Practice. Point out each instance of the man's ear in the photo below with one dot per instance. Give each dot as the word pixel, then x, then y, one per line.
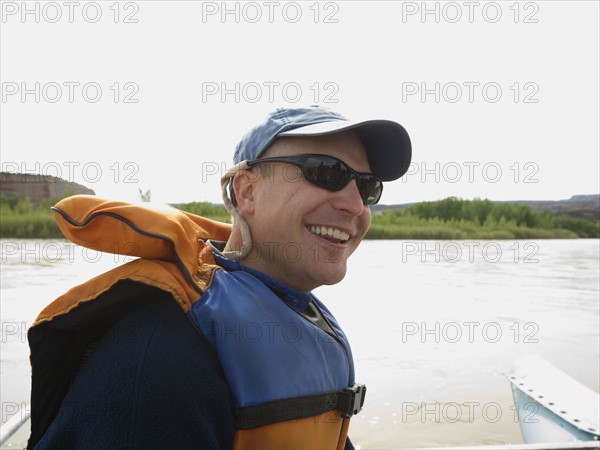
pixel 243 188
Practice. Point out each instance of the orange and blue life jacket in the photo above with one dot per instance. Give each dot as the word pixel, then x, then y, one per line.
pixel 286 360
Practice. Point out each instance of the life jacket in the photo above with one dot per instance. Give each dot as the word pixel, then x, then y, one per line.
pixel 292 379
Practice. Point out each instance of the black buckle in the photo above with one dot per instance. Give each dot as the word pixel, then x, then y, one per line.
pixel 352 400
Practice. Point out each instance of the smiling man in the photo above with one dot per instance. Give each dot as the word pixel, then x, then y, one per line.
pixel 300 193
pixel 309 210
pixel 256 361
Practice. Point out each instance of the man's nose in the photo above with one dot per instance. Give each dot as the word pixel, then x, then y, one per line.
pixel 349 199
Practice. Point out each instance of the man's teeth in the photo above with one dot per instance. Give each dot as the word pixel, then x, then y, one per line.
pixel 329 231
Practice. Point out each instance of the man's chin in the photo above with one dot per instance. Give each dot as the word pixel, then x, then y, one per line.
pixel 329 278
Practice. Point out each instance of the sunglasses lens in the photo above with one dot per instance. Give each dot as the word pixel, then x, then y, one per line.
pixel 370 189
pixel 332 174
pixel 327 173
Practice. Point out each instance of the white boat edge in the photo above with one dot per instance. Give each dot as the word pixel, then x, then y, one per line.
pixel 18 422
pixel 552 406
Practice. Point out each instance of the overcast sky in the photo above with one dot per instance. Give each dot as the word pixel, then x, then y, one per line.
pixel 500 98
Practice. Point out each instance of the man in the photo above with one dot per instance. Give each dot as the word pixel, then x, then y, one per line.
pixel 257 361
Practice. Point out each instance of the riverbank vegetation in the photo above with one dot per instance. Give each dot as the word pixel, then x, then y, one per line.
pixel 20 218
pixel 451 218
pixel 454 218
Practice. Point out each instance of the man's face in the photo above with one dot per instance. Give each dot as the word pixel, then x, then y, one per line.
pixel 303 234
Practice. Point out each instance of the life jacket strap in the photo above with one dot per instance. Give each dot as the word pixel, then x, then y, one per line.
pixel 349 402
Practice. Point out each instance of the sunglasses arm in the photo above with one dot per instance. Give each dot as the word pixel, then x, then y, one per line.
pixel 236 217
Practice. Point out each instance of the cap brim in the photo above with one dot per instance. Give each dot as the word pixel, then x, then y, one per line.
pixel 387 143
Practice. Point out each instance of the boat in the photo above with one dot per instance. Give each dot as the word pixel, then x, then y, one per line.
pixel 552 406
pixel 15 432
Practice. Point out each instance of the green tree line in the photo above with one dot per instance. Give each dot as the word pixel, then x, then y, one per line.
pixel 455 218
pixel 451 218
pixel 20 218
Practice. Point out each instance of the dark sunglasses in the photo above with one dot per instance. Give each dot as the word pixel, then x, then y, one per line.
pixel 332 174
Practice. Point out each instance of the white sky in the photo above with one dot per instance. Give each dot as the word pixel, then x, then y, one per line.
pixel 524 124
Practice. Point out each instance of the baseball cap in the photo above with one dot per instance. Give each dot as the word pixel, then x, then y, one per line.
pixel 387 143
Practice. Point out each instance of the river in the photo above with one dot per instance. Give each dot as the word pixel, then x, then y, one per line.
pixel 434 326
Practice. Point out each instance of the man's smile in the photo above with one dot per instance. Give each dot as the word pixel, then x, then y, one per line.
pixel 334 234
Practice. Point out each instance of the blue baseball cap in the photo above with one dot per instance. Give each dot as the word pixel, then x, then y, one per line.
pixel 387 143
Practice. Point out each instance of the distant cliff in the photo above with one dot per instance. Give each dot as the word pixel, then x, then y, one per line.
pixel 582 206
pixel 38 187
